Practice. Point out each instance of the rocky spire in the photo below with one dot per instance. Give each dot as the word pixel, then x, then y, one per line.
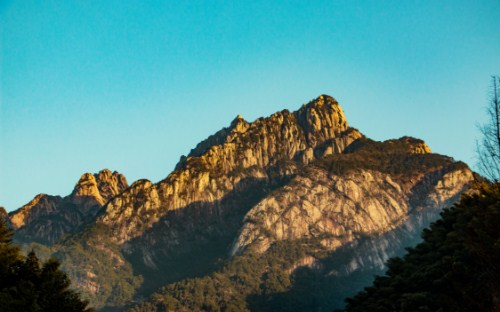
pixel 97 189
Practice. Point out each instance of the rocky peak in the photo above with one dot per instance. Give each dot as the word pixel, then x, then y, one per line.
pixel 403 145
pixel 97 189
pixel 238 125
pixel 242 151
pixel 41 202
pixel 110 184
pixel 225 135
pixel 86 191
pixel 416 146
pixel 321 119
pixel 47 218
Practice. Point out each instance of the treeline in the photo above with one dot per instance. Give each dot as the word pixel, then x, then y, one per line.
pixel 247 283
pixel 27 285
pixel 455 268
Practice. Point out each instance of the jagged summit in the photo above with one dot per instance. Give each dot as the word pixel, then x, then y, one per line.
pixel 46 218
pixel 316 129
pixel 97 189
pixel 319 120
pixel 238 125
pixel 322 100
pixel 238 118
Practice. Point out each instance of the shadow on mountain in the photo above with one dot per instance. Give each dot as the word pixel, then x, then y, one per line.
pixel 194 240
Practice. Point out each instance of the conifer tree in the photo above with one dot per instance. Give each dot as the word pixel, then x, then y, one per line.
pixel 26 286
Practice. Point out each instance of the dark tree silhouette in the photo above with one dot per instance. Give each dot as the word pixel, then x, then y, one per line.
pixel 27 286
pixel 488 149
pixel 456 268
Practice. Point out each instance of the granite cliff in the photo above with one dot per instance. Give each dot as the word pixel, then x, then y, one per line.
pixel 291 194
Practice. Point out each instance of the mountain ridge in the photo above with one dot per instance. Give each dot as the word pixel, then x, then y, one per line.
pixel 47 218
pixel 280 137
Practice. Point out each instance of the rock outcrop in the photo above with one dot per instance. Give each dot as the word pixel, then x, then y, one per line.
pixel 42 204
pixel 3 215
pixel 47 218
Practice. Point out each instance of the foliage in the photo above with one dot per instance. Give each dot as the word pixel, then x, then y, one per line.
pixel 488 149
pixel 25 285
pixel 392 157
pixel 455 268
pixel 250 274
pixel 93 258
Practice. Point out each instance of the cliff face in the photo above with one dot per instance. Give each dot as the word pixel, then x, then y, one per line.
pixel 337 209
pixel 47 218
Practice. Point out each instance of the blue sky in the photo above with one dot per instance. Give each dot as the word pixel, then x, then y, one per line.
pixel 133 85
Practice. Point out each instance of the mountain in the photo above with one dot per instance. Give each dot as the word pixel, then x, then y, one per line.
pixel 48 218
pixel 295 211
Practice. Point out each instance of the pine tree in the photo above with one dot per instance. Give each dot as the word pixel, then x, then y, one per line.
pixel 25 286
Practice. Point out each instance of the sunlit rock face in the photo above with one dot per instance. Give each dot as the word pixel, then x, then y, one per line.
pixel 47 218
pixel 337 210
pixel 42 204
pixel 242 152
pixel 97 189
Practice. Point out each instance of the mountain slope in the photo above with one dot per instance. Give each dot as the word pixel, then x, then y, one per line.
pixel 455 268
pixel 364 193
pixel 47 218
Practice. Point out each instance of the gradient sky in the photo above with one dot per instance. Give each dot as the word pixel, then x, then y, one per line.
pixel 133 85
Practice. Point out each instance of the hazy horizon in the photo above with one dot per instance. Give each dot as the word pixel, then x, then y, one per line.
pixel 133 86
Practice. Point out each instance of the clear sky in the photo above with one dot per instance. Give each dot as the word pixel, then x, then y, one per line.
pixel 133 85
